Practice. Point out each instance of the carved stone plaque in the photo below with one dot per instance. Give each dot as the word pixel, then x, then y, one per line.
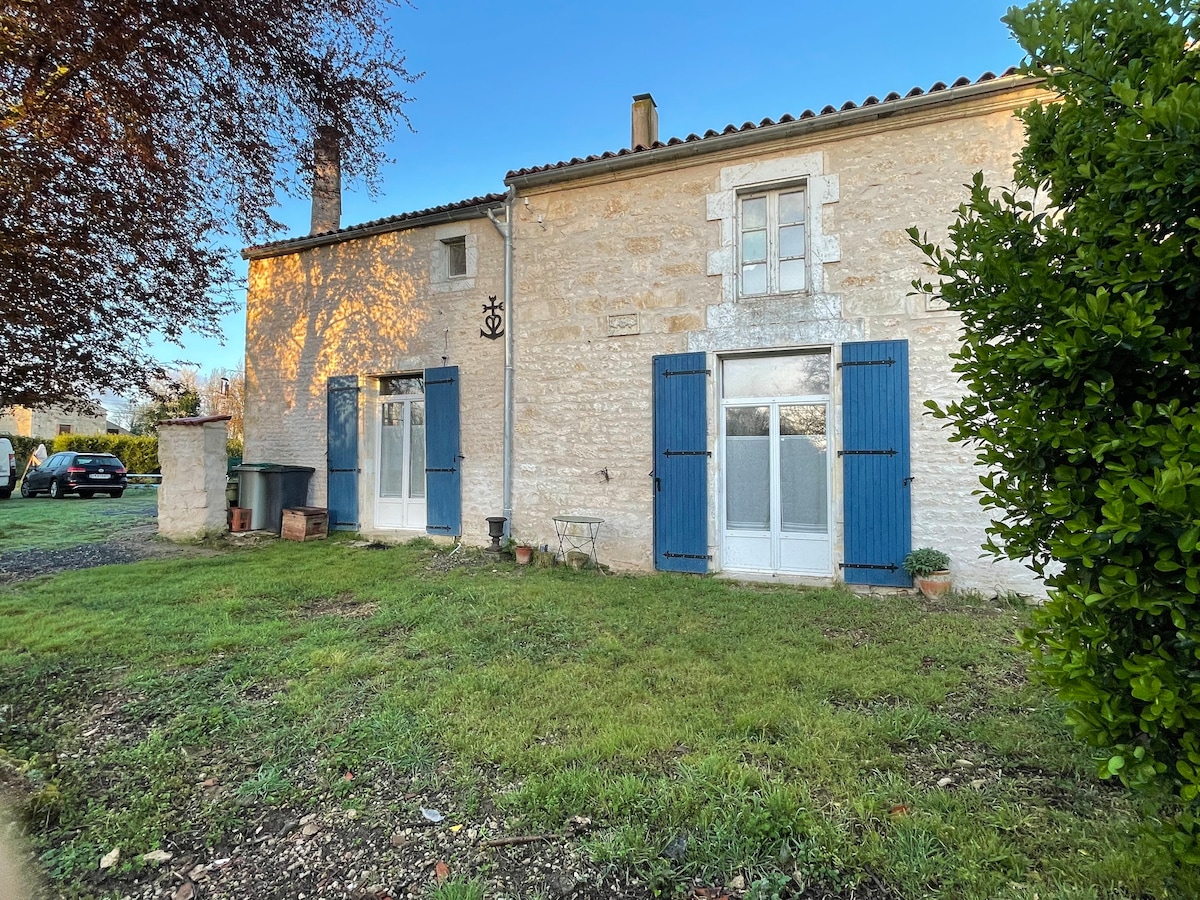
pixel 624 323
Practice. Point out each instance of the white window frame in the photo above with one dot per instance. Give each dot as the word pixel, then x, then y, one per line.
pixel 451 244
pixel 775 532
pixel 724 260
pixel 773 240
pixel 403 512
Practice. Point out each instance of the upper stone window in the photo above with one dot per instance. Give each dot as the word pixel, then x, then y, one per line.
pixel 453 258
pixel 772 241
pixel 456 257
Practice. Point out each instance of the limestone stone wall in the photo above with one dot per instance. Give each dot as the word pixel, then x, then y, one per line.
pixel 48 422
pixel 617 268
pixel 610 271
pixel 191 498
pixel 372 307
pixel 16 420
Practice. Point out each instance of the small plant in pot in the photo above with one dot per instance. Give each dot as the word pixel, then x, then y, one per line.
pixel 522 551
pixel 930 569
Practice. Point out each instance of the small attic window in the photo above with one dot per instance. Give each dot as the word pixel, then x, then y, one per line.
pixel 456 257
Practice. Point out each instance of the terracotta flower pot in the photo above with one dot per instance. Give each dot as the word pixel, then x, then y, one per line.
pixel 935 584
pixel 523 554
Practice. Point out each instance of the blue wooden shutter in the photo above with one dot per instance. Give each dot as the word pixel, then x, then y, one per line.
pixel 680 463
pixel 443 459
pixel 341 451
pixel 875 462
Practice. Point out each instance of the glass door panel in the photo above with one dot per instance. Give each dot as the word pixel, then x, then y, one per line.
pixel 803 469
pixel 391 450
pixel 416 469
pixel 748 468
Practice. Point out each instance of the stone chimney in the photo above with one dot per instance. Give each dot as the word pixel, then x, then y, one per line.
pixel 327 181
pixel 645 122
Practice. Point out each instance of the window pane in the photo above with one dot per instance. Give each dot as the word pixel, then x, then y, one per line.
pixel 791 275
pixel 748 421
pixel 754 246
pixel 416 469
pixel 807 420
pixel 391 451
pixel 456 257
pixel 754 213
pixel 791 207
pixel 748 468
pixel 400 385
pixel 804 469
pixel 754 279
pixel 793 375
pixel 791 242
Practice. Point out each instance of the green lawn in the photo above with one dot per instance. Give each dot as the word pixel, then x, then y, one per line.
pixel 780 730
pixel 54 524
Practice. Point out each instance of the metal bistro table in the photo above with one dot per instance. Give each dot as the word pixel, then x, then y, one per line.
pixel 578 533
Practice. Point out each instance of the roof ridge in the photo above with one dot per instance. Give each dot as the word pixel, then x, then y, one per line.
pixel 398 219
pixel 829 109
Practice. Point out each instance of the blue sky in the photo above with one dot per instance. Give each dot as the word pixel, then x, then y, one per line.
pixel 523 83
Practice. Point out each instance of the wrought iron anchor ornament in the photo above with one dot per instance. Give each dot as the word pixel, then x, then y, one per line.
pixel 493 320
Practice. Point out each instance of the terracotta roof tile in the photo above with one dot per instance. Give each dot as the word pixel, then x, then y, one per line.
pixel 491 199
pixel 892 97
pixel 400 219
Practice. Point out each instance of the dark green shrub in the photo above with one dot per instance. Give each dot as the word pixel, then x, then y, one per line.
pixel 1081 314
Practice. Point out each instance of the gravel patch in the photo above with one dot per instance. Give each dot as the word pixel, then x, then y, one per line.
pixel 141 542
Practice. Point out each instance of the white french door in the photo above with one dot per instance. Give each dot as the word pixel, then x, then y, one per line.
pixel 776 467
pixel 400 494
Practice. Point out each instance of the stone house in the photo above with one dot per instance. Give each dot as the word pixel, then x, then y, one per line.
pixel 710 343
pixel 55 420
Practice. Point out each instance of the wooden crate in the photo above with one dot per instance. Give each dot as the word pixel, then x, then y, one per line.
pixel 305 523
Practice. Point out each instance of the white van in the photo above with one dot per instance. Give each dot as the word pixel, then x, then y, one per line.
pixel 8 468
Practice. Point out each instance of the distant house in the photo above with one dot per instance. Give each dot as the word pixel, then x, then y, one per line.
pixel 52 421
pixel 711 343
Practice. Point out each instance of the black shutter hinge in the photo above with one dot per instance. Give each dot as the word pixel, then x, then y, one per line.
pixel 427 471
pixel 687 453
pixel 687 556
pixel 868 362
pixel 889 568
pixel 688 372
pixel 867 452
pixel 440 381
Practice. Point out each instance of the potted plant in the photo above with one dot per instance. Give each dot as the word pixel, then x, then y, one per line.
pixel 522 551
pixel 930 569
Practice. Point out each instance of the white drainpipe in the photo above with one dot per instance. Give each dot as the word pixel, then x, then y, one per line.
pixel 506 228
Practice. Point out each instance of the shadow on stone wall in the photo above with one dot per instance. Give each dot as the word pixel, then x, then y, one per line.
pixel 343 309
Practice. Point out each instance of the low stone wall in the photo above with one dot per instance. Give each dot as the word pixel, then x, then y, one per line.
pixel 191 500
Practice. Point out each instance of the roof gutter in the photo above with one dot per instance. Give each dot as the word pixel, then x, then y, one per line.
pixel 361 231
pixel 780 131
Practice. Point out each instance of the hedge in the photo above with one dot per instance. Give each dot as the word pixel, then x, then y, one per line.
pixel 140 454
